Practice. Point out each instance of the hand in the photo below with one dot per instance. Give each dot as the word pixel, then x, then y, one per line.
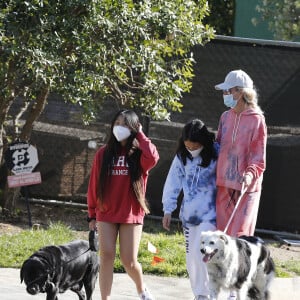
pixel 92 225
pixel 247 179
pixel 135 145
pixel 140 127
pixel 166 221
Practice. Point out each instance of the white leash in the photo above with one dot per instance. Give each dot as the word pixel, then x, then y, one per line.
pixel 243 190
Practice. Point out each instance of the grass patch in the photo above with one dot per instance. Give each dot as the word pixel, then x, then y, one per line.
pixel 170 245
pixel 16 248
pixel 285 269
pixel 171 249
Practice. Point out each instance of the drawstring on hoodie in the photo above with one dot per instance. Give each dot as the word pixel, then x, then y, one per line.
pixel 235 128
pixel 197 171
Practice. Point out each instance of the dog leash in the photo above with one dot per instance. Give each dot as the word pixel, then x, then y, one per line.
pixel 243 190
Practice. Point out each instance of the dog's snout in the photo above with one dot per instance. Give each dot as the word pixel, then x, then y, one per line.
pixel 33 289
pixel 202 250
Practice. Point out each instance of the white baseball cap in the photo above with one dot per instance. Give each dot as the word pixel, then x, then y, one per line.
pixel 235 78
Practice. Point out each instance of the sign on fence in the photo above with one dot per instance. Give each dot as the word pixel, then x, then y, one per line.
pixel 24 179
pixel 21 157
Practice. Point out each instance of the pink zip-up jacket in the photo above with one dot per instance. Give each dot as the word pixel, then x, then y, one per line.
pixel 242 138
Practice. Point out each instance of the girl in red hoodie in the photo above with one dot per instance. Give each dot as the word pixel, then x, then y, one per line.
pixel 116 198
pixel 242 136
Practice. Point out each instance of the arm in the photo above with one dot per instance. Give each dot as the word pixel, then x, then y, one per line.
pixel 150 156
pixel 257 157
pixel 219 132
pixel 92 198
pixel 166 221
pixel 172 188
pixel 218 137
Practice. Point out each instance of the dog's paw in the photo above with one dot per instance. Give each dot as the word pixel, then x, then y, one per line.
pixel 50 287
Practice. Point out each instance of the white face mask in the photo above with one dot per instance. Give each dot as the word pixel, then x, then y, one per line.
pixel 196 152
pixel 121 133
pixel 229 101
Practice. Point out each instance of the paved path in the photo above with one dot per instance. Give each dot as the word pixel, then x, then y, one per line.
pixel 163 288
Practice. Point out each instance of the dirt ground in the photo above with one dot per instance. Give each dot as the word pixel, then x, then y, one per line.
pixel 75 218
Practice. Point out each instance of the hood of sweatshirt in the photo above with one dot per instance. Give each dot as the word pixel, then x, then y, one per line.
pixel 249 111
pixel 243 115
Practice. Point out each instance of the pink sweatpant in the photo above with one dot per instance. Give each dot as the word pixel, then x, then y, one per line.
pixel 245 217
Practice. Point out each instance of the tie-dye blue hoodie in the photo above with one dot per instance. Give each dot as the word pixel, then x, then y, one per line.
pixel 199 189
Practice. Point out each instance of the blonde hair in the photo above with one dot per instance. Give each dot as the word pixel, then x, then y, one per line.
pixel 251 98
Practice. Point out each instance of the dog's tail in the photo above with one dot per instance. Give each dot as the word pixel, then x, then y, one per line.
pixel 22 271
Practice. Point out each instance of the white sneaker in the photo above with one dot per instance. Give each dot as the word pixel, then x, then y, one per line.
pixel 232 296
pixel 146 295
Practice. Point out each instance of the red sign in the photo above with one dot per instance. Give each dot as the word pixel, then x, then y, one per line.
pixel 24 179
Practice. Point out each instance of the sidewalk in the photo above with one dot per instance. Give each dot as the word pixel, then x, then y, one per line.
pixel 163 288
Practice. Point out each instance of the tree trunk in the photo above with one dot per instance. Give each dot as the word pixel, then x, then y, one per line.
pixel 34 114
pixel 4 108
pixel 11 195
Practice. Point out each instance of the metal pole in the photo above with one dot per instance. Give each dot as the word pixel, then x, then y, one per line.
pixel 28 206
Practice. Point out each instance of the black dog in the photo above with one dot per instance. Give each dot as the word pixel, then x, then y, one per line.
pixel 55 269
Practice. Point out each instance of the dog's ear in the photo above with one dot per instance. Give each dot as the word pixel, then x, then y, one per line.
pixel 224 238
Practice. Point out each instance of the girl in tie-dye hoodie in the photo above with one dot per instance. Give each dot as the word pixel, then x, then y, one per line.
pixel 193 171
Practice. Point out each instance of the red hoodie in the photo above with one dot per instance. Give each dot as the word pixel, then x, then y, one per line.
pixel 242 140
pixel 120 203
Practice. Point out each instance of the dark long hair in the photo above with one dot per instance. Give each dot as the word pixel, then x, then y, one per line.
pixel 195 131
pixel 112 150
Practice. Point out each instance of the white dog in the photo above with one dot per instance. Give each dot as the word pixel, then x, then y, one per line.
pixel 240 264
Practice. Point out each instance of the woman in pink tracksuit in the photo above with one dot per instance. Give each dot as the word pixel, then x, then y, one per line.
pixel 242 136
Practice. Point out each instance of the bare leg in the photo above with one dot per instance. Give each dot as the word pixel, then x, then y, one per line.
pixel 130 237
pixel 107 242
